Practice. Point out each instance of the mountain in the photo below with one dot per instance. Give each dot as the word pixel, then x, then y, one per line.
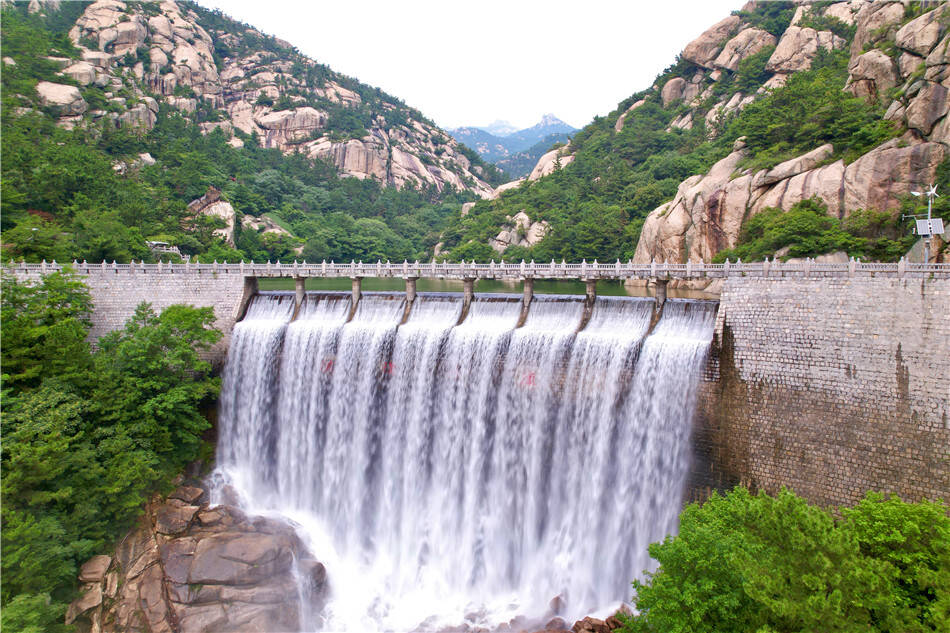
pixel 500 128
pixel 521 163
pixel 152 105
pixel 500 141
pixel 786 129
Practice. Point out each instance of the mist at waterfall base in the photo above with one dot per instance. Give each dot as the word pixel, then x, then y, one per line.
pixel 459 475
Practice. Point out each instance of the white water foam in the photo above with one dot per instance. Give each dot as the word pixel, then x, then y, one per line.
pixel 462 475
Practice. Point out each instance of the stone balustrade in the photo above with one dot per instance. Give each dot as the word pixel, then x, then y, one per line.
pixel 583 271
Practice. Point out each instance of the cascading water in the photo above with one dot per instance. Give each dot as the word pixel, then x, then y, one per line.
pixel 463 474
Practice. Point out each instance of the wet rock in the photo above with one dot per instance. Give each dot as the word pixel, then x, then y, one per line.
pixel 590 625
pixel 173 518
pixel 224 571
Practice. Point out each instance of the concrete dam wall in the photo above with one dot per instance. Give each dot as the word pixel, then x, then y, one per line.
pixel 830 385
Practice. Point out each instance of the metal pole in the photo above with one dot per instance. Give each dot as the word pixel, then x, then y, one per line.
pixel 930 200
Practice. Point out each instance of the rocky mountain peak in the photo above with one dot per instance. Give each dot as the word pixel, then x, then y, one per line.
pixel 228 76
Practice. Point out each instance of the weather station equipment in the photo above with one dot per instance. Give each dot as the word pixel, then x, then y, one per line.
pixel 929 226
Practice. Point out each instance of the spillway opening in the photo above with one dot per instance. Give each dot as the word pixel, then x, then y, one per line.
pixel 462 474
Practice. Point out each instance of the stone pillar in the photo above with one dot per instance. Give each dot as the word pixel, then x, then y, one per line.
pixel 528 291
pixel 589 299
pixel 410 298
pixel 357 292
pixel 299 293
pixel 526 300
pixel 659 293
pixel 250 289
pixel 468 291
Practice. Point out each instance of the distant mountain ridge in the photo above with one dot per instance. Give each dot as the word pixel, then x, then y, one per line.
pixel 500 140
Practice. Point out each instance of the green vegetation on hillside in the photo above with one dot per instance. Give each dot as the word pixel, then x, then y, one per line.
pixel 763 564
pixel 596 205
pixel 807 230
pixel 87 434
pixel 84 194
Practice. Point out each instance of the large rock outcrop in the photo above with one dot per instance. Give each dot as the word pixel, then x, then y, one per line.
pixel 909 59
pixel 63 100
pixel 519 231
pixel 211 205
pixel 283 97
pixel 798 47
pixel 551 162
pixel 707 214
pixel 704 49
pixel 747 42
pixel 189 567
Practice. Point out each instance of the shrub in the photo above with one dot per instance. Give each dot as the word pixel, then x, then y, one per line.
pixel 758 563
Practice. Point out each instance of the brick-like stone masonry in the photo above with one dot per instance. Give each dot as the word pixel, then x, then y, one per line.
pixel 116 294
pixel 831 387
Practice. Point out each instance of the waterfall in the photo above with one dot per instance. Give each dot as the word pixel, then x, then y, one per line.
pixel 462 473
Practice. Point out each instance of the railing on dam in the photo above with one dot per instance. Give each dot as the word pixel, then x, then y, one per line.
pixel 501 270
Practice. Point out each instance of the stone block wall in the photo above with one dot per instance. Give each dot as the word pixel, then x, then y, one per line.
pixel 831 387
pixel 116 293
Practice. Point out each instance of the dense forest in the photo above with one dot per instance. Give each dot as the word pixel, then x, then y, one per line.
pixel 86 194
pixel 88 433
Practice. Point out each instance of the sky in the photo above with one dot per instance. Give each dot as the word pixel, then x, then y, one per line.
pixel 473 62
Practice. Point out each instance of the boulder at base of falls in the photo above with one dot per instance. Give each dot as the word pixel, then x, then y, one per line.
pixel 190 567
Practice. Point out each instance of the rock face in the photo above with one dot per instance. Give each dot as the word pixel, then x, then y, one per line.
pixel 212 205
pixel 747 42
pixel 707 213
pixel 551 162
pixel 520 232
pixel 286 99
pixel 192 568
pixel 872 75
pixel 704 49
pixel 63 100
pixel 798 47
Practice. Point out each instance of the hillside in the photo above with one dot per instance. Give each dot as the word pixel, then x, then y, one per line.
pixel 116 115
pixel 780 103
pixel 515 151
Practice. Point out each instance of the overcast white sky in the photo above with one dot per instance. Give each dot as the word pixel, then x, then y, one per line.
pixel 472 62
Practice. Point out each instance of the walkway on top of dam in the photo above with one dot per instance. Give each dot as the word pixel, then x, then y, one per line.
pixel 583 271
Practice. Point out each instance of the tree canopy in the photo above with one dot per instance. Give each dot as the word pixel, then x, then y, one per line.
pixel 87 433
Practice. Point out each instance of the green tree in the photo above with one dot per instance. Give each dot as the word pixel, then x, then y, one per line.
pixel 758 563
pixel 153 381
pixel 44 326
pixel 87 435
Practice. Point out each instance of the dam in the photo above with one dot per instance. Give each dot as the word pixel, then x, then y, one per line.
pixel 468 471
pixel 831 380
